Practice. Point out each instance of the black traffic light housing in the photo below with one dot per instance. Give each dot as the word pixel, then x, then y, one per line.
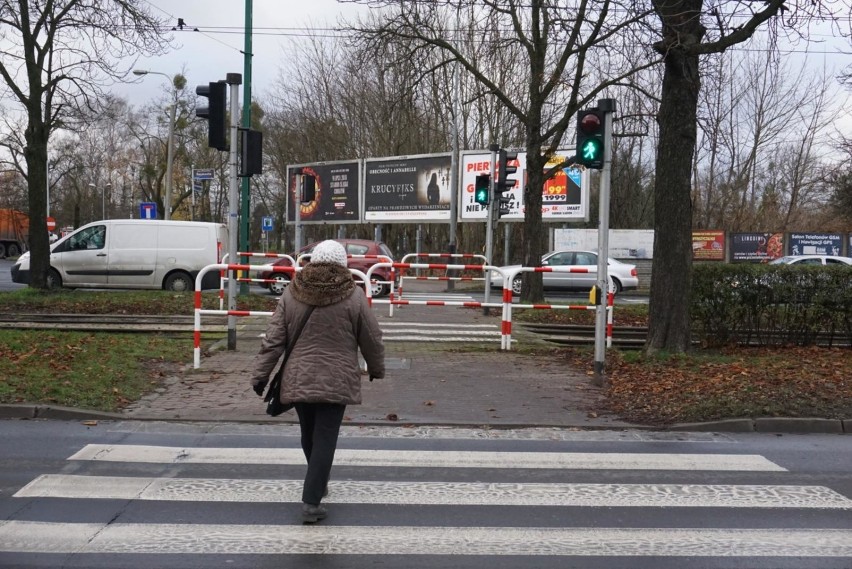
pixel 251 152
pixel 504 183
pixel 216 113
pixel 482 190
pixel 590 138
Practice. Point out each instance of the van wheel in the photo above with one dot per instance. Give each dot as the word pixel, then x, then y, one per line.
pixel 178 282
pixel 53 280
pixel 12 250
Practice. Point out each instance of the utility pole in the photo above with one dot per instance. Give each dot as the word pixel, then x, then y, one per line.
pixel 245 190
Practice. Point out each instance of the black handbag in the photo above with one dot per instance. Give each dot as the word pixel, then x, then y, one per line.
pixel 274 406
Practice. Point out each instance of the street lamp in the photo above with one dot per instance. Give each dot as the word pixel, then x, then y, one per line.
pixel 103 198
pixel 167 200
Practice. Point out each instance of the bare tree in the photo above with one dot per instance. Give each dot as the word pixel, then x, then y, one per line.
pixel 58 57
pixel 690 29
pixel 555 61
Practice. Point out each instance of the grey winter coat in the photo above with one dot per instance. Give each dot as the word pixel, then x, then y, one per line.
pixel 323 367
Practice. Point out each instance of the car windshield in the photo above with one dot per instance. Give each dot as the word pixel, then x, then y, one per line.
pixel 781 261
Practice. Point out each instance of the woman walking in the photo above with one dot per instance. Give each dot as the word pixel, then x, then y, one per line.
pixel 321 375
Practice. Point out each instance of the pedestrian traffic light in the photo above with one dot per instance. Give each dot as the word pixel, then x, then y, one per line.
pixel 251 152
pixel 506 165
pixel 590 139
pixel 481 190
pixel 308 191
pixel 215 112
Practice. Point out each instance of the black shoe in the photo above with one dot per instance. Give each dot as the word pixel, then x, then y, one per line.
pixel 312 514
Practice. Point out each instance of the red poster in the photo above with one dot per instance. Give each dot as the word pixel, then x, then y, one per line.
pixel 708 245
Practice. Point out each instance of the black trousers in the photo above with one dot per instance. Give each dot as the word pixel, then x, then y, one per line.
pixel 320 425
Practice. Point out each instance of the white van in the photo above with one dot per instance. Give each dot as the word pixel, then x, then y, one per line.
pixel 133 253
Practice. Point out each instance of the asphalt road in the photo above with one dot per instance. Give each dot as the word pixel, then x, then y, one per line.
pixel 6 283
pixel 149 494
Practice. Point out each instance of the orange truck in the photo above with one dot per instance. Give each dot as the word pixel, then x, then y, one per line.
pixel 14 232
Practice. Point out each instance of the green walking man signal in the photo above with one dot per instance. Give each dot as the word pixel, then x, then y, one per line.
pixel 590 138
pixel 482 190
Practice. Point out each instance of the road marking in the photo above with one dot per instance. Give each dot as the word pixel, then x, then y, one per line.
pixel 435 459
pixel 237 539
pixel 437 493
pixel 384 323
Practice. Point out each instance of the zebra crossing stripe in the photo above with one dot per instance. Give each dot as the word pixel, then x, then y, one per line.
pixel 437 493
pixel 237 539
pixel 432 459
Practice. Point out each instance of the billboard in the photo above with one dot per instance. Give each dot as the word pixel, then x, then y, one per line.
pixel 760 247
pixel 337 196
pixel 814 244
pixel 623 243
pixel 407 188
pixel 708 245
pixel 565 196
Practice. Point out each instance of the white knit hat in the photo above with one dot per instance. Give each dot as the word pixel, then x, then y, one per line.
pixel 329 251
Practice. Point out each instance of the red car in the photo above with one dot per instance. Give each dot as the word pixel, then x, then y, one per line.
pixel 353 247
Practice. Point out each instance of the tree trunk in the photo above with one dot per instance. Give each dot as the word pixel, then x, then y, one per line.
pixel 669 317
pixel 534 231
pixel 35 154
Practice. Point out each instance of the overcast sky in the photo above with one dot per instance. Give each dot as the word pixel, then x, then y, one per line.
pixel 216 48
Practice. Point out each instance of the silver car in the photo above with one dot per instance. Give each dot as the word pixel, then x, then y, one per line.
pixel 812 260
pixel 624 275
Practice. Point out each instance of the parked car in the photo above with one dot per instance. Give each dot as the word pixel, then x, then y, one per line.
pixel 624 275
pixel 812 260
pixel 353 247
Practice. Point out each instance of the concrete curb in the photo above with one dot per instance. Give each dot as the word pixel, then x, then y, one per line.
pixel 56 412
pixel 788 425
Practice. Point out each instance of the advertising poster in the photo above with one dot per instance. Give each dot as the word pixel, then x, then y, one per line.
pixel 623 243
pixel 708 245
pixel 565 196
pixel 336 197
pixel 756 247
pixel 814 244
pixel 413 188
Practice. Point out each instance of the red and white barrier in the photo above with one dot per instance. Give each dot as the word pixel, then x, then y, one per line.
pixel 507 275
pixel 405 260
pixel 237 267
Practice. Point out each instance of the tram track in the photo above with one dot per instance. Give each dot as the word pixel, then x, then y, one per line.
pixel 633 337
pixel 111 323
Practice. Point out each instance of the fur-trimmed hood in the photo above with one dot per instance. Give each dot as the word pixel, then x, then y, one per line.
pixel 321 284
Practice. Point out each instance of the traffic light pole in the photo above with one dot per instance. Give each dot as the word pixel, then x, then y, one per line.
pixel 234 80
pixel 607 107
pixel 489 221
